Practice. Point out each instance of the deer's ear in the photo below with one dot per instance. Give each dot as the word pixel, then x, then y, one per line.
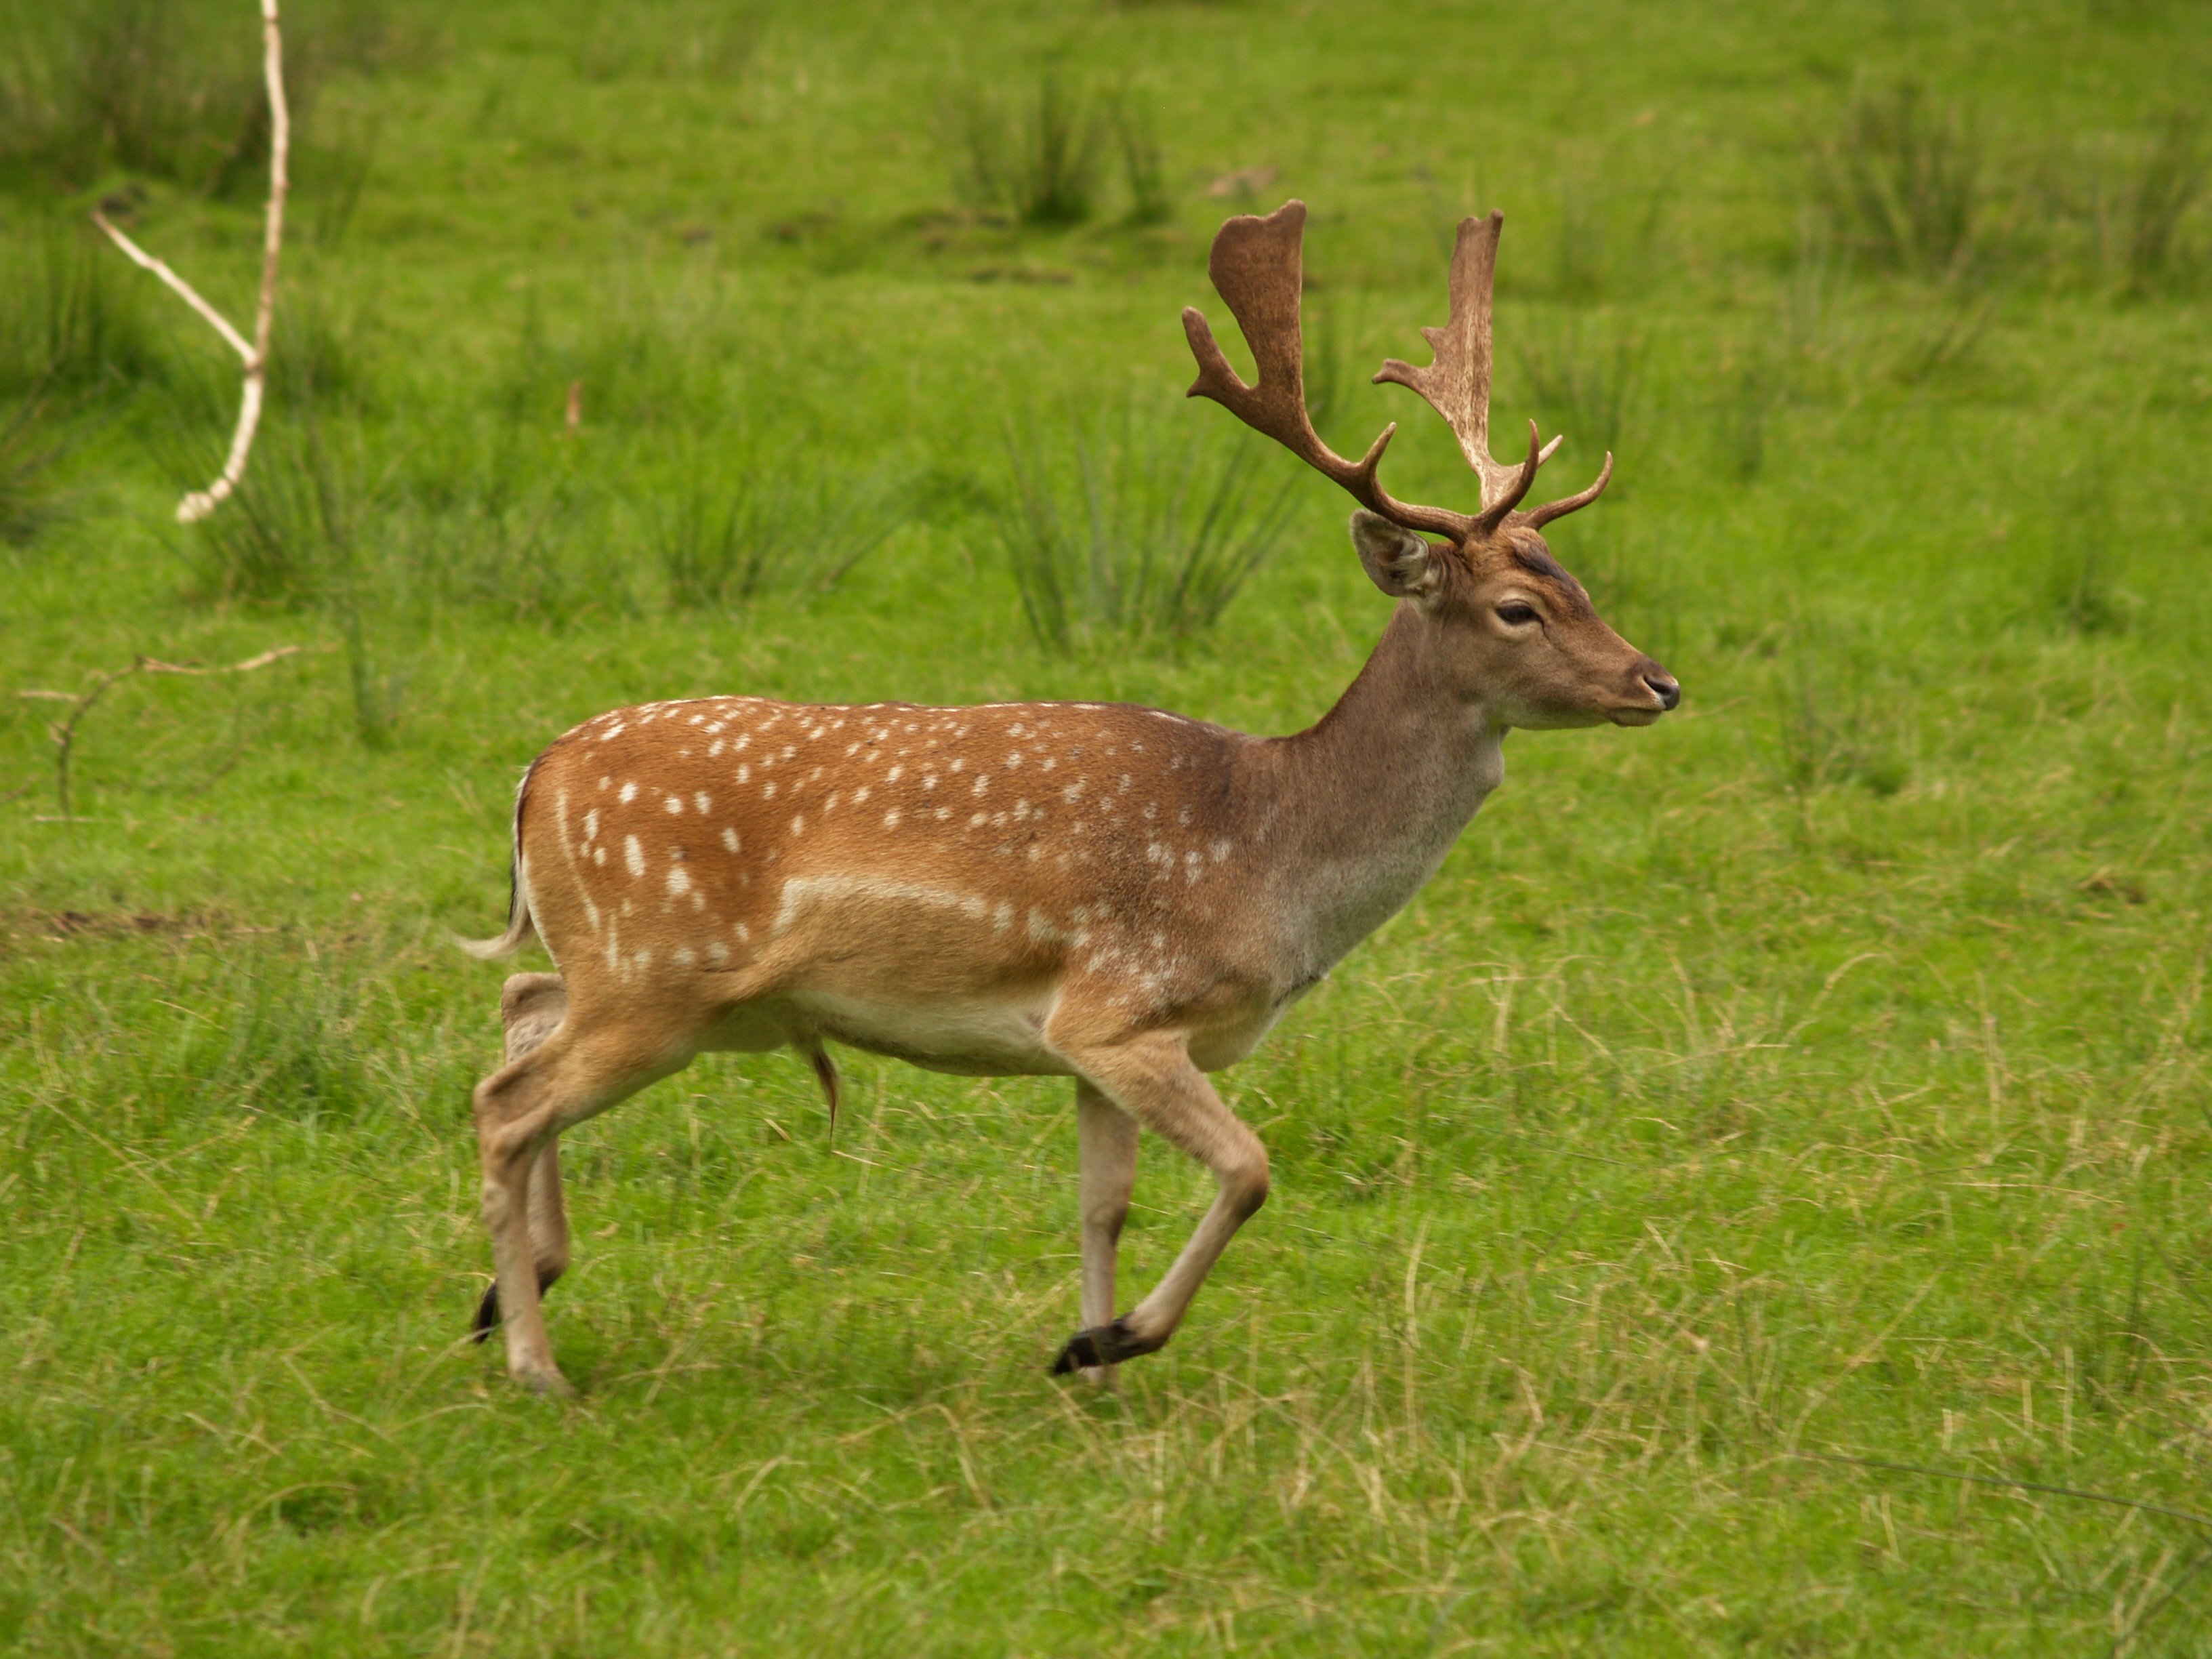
pixel 1402 564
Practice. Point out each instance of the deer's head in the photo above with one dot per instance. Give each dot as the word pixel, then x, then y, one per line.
pixel 1513 628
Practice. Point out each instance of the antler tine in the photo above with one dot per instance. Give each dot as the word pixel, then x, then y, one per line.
pixel 1256 265
pixel 1543 515
pixel 1517 480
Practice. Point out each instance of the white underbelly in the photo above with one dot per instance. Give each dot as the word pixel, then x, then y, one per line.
pixel 979 1036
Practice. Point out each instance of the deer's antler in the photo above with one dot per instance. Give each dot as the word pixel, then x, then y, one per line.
pixel 1256 265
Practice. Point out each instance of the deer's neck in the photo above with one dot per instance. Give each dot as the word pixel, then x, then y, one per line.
pixel 1371 798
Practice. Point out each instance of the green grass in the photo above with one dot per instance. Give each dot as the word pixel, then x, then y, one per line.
pixel 1819 1074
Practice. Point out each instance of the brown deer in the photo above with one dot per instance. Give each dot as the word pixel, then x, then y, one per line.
pixel 1115 894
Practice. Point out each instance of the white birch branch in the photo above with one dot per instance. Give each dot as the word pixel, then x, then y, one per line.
pixel 200 502
pixel 190 295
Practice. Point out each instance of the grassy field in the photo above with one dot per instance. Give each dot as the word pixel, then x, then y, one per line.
pixel 1754 1202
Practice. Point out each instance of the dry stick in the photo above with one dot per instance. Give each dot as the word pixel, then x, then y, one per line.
pixel 64 731
pixel 200 502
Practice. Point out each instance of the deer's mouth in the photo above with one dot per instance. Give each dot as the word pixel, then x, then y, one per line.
pixel 1661 687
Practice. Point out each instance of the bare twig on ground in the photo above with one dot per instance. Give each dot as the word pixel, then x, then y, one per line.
pixel 63 731
pixel 200 502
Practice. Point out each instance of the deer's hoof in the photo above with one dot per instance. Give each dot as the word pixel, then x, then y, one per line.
pixel 1102 1345
pixel 546 1382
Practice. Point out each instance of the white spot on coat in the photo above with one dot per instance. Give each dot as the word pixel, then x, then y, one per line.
pixel 634 855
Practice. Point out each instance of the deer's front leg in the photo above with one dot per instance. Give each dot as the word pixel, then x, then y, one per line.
pixel 1152 1077
pixel 1106 1147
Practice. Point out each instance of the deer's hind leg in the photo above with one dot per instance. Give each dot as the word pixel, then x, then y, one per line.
pixel 532 1007
pixel 582 1067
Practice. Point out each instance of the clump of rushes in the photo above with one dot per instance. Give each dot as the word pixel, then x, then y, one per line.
pixel 724 538
pixel 1134 527
pixel 167 89
pixel 1902 180
pixel 30 448
pixel 2160 190
pixel 1038 163
pixel 1586 388
pixel 1142 167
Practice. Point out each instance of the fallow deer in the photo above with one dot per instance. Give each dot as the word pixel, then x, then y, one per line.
pixel 1114 894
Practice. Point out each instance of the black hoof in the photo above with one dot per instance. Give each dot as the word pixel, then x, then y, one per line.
pixel 1102 1345
pixel 488 1311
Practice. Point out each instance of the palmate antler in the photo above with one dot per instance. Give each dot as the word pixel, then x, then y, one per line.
pixel 1256 266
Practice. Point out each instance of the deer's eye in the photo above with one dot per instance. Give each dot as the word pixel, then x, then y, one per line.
pixel 1514 614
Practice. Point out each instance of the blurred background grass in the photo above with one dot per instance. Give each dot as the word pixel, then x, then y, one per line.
pixel 1820 1072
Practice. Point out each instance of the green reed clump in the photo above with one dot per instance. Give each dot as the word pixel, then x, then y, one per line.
pixel 1135 525
pixel 1903 179
pixel 31 447
pixel 1588 387
pixel 1043 161
pixel 1136 135
pixel 2122 207
pixel 724 535
pixel 2166 183
pixel 287 531
pixel 1833 717
pixel 168 89
pixel 1039 160
pixel 74 317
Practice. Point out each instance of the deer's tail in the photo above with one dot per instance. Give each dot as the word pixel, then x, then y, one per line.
pixel 520 926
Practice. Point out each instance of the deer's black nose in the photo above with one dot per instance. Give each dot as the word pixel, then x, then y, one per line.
pixel 1663 685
